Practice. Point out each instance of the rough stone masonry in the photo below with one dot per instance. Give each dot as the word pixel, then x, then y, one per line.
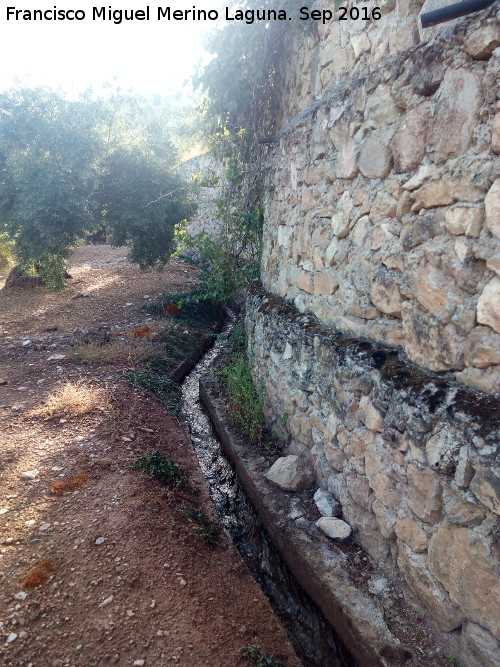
pixel 377 328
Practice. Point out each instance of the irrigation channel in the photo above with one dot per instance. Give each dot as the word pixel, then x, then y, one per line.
pixel 313 638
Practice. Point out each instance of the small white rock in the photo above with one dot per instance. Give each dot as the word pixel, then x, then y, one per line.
pixel 30 474
pixel 20 596
pixel 56 357
pixel 44 526
pixel 336 529
pixel 12 637
pixel 326 504
pixel 107 601
pixel 100 540
pixel 139 663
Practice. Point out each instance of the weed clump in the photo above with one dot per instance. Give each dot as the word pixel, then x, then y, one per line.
pixel 165 470
pixel 260 658
pixel 72 399
pixel 208 530
pixel 193 308
pixel 165 389
pixel 38 574
pixel 113 353
pixel 245 400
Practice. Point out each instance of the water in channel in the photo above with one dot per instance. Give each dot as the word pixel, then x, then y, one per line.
pixel 314 640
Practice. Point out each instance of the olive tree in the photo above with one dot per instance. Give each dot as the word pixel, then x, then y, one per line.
pixel 70 167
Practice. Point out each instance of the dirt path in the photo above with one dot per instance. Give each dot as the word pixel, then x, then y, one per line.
pixel 128 579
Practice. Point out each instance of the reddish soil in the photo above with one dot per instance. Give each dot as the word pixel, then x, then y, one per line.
pixel 122 575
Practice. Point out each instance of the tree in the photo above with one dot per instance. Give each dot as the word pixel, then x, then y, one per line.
pixel 141 202
pixel 47 147
pixel 244 77
pixel 68 168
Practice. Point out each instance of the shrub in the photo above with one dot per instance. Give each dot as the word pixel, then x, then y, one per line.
pixel 6 256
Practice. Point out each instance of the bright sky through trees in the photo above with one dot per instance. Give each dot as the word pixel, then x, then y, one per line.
pixel 149 56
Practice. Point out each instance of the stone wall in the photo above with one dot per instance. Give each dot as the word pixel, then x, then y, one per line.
pixel 377 333
pixel 409 456
pixel 331 52
pixel 384 205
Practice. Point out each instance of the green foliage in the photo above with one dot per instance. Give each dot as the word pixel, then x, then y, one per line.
pixel 165 470
pixel 165 389
pixel 451 658
pixel 230 259
pixel 242 81
pixel 242 85
pixel 208 530
pixel 260 658
pixel 245 401
pixel 6 255
pixel 46 152
pixel 196 309
pixel 50 267
pixel 199 318
pixel 179 119
pixel 238 338
pixel 140 199
pixel 69 168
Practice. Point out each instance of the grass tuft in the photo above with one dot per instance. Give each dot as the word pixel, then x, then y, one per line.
pixel 117 351
pixel 245 401
pixel 71 399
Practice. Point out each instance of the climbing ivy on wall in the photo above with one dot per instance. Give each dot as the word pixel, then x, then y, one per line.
pixel 241 84
pixel 242 80
pixel 230 259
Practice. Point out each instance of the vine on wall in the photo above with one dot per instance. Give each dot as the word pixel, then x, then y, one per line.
pixel 242 85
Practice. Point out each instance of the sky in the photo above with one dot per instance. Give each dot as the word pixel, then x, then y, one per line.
pixel 148 56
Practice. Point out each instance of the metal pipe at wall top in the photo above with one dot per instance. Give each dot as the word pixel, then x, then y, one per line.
pixel 450 12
